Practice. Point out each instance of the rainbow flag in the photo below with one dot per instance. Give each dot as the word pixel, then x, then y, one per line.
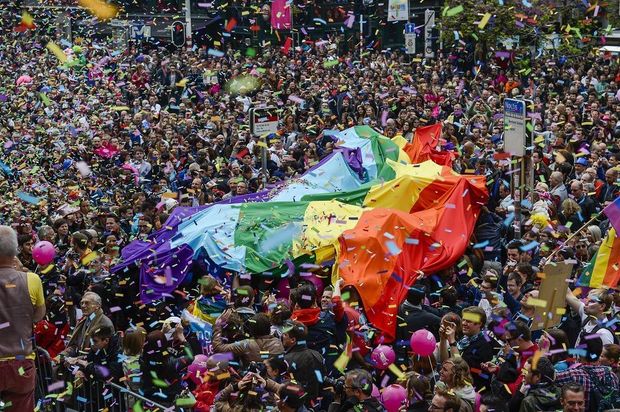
pixel 381 219
pixel 604 268
pixel 612 211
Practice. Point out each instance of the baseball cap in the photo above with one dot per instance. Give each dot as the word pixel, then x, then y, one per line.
pixel 582 161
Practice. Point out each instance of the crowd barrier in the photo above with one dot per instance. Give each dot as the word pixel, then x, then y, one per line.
pixel 53 395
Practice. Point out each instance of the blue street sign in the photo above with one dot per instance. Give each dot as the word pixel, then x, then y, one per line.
pixel 409 28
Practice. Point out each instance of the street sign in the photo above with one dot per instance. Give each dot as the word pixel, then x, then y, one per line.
pixel 409 28
pixel 410 43
pixel 514 127
pixel 140 31
pixel 119 23
pixel 263 121
pixel 429 23
pixel 398 10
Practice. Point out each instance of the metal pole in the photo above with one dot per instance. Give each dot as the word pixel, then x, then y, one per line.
pixel 514 181
pixel 188 24
pixel 264 161
pixel 361 36
pixel 292 6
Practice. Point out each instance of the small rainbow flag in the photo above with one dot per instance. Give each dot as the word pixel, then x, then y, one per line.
pixel 604 268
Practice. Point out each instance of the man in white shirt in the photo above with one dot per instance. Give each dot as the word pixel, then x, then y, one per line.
pixel 506 205
pixel 593 314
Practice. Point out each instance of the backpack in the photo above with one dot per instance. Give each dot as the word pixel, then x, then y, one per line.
pixel 600 400
pixel 599 326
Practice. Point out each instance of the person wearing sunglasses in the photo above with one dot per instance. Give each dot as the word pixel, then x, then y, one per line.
pixel 444 401
pixel 357 394
pixel 593 314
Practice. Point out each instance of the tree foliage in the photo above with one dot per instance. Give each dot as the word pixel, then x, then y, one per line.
pixel 578 23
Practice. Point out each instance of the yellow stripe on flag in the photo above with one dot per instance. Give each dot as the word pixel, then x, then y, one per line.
pixel 403 192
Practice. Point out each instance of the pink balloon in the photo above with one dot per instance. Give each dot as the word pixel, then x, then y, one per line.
pixel 201 359
pixel 383 356
pixel 43 253
pixel 423 342
pixel 24 79
pixel 392 397
pixel 195 372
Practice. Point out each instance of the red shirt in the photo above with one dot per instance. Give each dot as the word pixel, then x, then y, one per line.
pixel 523 357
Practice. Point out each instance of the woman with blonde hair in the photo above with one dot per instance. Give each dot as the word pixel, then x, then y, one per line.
pixel 570 215
pixel 455 376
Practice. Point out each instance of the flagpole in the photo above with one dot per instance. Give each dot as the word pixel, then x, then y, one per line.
pixel 585 225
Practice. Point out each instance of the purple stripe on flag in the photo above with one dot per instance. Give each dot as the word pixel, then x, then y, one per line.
pixel 168 271
pixel 613 214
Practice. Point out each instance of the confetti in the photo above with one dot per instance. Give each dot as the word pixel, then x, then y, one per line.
pixel 100 9
pixel 57 51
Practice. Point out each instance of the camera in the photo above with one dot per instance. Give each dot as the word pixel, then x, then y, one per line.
pixel 257 367
pixel 337 384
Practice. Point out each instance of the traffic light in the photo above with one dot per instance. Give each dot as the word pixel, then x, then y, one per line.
pixel 177 32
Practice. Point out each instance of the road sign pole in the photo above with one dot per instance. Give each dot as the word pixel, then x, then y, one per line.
pixel 188 24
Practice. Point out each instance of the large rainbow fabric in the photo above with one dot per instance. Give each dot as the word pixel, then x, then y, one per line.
pixel 604 268
pixel 380 219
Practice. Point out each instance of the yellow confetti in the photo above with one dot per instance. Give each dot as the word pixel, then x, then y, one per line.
pixel 100 9
pixel 537 302
pixel 89 258
pixel 394 369
pixel 483 22
pixel 60 55
pixel 472 317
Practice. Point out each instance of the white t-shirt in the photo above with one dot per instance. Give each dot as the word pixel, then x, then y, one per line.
pixel 605 334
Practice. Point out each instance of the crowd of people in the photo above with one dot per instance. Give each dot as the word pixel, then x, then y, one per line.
pixel 99 149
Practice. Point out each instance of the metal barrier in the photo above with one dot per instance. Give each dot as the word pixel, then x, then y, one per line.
pixel 54 395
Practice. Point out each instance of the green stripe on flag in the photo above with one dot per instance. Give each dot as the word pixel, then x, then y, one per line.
pixel 586 276
pixel 351 197
pixel 382 148
pixel 267 231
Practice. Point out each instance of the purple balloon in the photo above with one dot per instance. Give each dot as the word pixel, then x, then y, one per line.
pixel 43 253
pixel 284 289
pixel 392 397
pixel 423 342
pixel 383 356
pixel 375 392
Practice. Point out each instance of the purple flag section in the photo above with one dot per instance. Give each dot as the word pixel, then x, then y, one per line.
pixel 280 15
pixel 612 211
pixel 175 263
